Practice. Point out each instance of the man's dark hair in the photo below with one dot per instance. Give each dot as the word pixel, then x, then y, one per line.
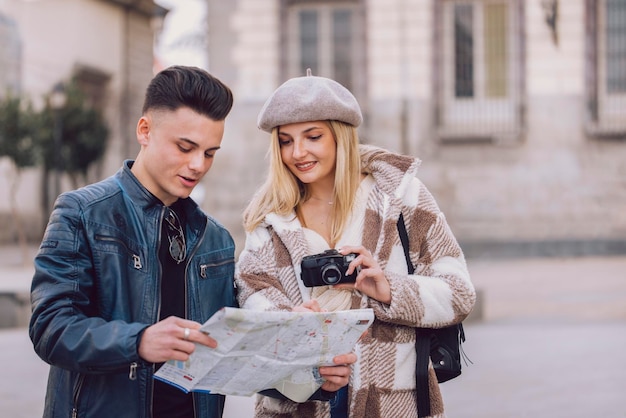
pixel 180 86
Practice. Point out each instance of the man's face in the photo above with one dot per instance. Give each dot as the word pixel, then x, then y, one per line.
pixel 177 150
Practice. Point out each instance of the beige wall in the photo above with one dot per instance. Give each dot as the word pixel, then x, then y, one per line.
pixel 56 37
pixel 553 185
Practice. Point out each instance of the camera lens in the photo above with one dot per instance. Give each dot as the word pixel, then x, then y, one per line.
pixel 331 274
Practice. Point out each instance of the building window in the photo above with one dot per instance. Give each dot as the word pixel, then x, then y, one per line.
pixel 93 84
pixel 327 38
pixel 478 69
pixel 606 67
pixel 10 57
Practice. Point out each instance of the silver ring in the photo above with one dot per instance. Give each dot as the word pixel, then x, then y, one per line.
pixel 187 332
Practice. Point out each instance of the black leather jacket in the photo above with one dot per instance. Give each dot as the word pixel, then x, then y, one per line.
pixel 96 288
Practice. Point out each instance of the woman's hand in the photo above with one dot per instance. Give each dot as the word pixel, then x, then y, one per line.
pixel 308 306
pixel 336 377
pixel 371 280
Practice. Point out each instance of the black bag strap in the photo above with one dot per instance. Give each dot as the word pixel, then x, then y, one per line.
pixel 404 238
pixel 422 343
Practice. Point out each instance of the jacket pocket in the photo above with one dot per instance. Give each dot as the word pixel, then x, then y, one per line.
pixel 217 269
pixel 122 277
pixel 214 287
pixel 117 245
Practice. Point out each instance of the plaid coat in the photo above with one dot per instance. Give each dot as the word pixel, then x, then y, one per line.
pixel 438 294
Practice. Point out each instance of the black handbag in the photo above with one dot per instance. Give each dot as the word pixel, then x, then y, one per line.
pixel 442 345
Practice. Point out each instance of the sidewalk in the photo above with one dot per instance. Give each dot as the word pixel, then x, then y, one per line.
pixel 551 343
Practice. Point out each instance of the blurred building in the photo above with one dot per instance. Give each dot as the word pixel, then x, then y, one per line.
pixel 106 44
pixel 516 107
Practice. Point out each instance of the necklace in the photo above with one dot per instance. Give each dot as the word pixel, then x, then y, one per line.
pixel 330 202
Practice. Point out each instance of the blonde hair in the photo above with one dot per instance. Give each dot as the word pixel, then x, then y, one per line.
pixel 282 192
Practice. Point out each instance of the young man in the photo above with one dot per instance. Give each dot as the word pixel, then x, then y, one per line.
pixel 129 267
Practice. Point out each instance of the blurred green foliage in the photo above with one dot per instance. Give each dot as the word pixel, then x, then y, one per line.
pixel 16 134
pixel 27 136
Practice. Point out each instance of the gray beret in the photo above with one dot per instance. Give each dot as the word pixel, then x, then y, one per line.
pixel 309 98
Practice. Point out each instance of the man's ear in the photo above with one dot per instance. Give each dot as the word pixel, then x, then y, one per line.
pixel 143 130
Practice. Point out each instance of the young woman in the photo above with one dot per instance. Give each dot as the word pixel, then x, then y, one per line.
pixel 326 191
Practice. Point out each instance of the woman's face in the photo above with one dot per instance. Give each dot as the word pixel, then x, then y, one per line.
pixel 309 150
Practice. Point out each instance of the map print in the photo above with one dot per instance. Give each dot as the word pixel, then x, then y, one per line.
pixel 262 350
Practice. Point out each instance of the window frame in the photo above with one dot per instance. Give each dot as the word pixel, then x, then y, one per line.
pixel 291 58
pixel 479 117
pixel 605 115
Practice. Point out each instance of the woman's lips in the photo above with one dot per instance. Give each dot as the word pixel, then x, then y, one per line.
pixel 306 166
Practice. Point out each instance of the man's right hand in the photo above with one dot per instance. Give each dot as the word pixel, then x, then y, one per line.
pixel 169 340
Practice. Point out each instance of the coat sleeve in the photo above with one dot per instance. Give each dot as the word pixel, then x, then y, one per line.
pixel 262 270
pixel 65 326
pixel 440 292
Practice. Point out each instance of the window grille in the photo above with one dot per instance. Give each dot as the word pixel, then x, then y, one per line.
pixel 478 69
pixel 327 37
pixel 606 67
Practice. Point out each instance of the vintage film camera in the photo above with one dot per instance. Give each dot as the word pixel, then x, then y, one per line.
pixel 327 268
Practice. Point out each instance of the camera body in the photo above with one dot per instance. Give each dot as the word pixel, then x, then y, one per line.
pixel 327 268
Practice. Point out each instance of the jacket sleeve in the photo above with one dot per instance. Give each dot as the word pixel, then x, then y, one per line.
pixel 65 326
pixel 440 292
pixel 258 274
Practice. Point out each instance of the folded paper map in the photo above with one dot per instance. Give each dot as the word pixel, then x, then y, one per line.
pixel 263 350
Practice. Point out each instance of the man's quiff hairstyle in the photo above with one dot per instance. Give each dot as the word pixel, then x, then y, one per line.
pixel 181 86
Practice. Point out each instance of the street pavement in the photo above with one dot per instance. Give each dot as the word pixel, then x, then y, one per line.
pixel 548 339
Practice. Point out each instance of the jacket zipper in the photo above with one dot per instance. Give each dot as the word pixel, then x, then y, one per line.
pixel 77 389
pixel 136 258
pixel 187 313
pixel 132 374
pixel 204 267
pixel 158 293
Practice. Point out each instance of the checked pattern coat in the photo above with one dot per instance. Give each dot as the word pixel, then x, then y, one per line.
pixel 438 294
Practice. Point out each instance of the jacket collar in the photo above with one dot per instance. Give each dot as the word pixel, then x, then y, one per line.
pixel 392 172
pixel 141 196
pixel 146 201
pixel 134 189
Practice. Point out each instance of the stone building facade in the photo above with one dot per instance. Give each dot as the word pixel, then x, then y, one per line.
pixel 517 108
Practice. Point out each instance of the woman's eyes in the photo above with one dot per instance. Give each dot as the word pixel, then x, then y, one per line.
pixel 311 138
pixel 287 141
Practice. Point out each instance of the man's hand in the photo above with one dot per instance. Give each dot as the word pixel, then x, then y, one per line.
pixel 336 377
pixel 172 339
